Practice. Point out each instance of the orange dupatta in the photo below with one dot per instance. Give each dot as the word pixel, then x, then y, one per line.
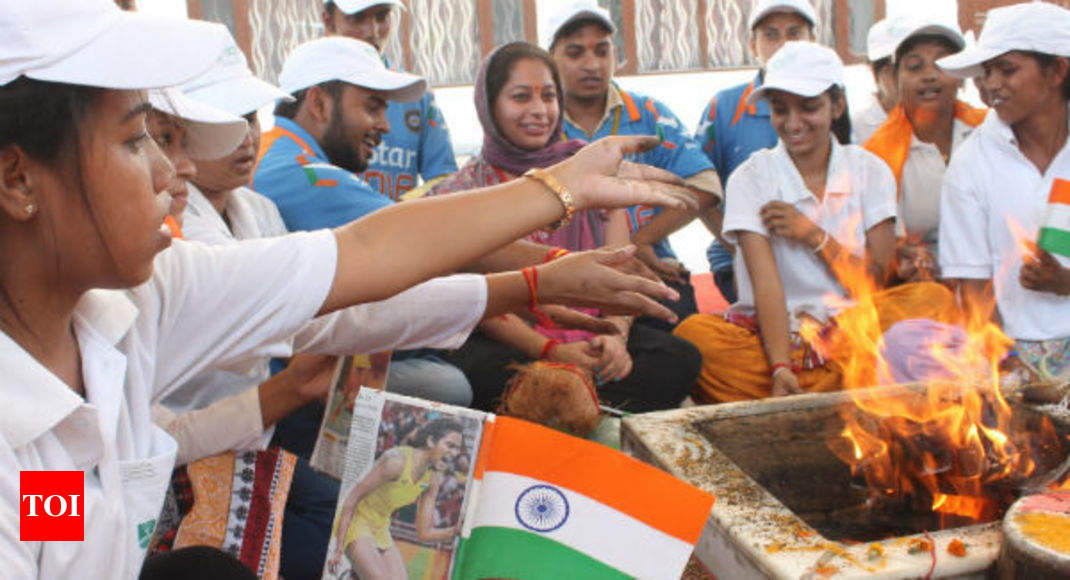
pixel 891 141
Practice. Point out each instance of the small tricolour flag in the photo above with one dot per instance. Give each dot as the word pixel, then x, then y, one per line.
pixel 548 505
pixel 1055 229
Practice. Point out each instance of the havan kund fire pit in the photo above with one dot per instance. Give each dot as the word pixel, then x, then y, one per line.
pixel 788 507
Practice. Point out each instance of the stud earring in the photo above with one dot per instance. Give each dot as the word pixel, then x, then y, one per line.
pixel 30 208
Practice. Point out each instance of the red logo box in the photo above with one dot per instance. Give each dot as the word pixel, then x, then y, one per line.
pixel 51 506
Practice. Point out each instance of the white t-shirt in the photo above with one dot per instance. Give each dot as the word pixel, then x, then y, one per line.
pixel 919 194
pixel 859 194
pixel 203 306
pixel 440 313
pixel 989 183
pixel 868 119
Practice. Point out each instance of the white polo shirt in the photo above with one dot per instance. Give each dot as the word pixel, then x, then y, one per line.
pixel 989 182
pixel 919 193
pixel 440 313
pixel 859 194
pixel 202 306
pixel 867 120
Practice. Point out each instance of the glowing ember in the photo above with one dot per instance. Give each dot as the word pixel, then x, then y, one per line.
pixel 944 447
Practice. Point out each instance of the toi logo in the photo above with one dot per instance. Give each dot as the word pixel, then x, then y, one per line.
pixel 51 506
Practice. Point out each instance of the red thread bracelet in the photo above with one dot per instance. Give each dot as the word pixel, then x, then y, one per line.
pixel 548 348
pixel 554 254
pixel 531 276
pixel 779 366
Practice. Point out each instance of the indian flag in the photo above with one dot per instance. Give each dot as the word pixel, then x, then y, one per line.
pixel 1055 230
pixel 548 505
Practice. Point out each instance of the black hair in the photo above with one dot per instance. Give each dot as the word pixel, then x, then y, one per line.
pixel 42 118
pixel 499 69
pixel 1046 60
pixel 288 110
pixel 574 26
pixel 435 430
pixel 909 44
pixel 841 126
pixel 880 64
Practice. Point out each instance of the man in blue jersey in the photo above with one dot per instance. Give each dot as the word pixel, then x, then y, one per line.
pixel 580 39
pixel 308 164
pixel 418 145
pixel 730 130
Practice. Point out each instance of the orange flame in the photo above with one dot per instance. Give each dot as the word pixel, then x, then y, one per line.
pixel 942 444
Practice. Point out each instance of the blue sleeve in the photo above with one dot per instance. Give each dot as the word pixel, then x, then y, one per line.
pixel 317 196
pixel 679 152
pixel 436 149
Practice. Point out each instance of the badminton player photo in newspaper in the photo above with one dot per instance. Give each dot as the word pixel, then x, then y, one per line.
pixel 408 465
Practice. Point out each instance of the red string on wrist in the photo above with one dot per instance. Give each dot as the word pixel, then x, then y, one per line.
pixel 548 348
pixel 554 254
pixel 779 366
pixel 531 276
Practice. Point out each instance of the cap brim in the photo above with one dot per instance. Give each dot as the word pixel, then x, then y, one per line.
pixel 239 96
pixel 803 88
pixel 213 133
pixel 756 18
pixel 967 63
pixel 168 52
pixel 397 3
pixel 397 86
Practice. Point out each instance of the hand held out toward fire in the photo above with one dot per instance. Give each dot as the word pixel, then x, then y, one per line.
pixel 785 383
pixel 784 220
pixel 1041 272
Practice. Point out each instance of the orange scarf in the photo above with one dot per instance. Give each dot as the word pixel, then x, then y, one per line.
pixel 176 230
pixel 891 141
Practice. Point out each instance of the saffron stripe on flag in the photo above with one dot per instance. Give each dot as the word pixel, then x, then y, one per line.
pixel 582 523
pixel 508 553
pixel 1060 192
pixel 1055 241
pixel 604 475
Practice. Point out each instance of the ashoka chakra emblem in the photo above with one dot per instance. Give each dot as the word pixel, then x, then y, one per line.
pixel 541 508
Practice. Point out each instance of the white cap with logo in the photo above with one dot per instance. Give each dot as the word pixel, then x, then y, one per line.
pixel 766 7
pixel 802 68
pixel 573 11
pixel 903 28
pixel 339 58
pixel 231 86
pixel 355 6
pixel 212 133
pixel 1030 26
pixel 94 43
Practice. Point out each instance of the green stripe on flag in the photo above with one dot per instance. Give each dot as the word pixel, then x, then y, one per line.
pixel 496 552
pixel 1055 241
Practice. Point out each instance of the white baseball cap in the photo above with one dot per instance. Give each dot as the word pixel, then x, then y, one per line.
pixel 212 133
pixel 230 86
pixel 903 28
pixel 1032 26
pixel 573 11
pixel 340 58
pixel 94 43
pixel 766 7
pixel 879 42
pixel 355 6
pixel 802 68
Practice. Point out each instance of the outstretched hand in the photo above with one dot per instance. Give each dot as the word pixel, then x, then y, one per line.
pixel 600 176
pixel 595 279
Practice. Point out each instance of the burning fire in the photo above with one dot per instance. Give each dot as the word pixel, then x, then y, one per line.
pixel 944 446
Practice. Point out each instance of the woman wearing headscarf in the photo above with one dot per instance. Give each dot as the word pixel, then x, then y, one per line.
pixel 519 101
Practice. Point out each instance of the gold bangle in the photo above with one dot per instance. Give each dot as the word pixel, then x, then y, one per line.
pixel 563 195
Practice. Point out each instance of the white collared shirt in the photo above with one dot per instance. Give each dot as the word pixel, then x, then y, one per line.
pixel 919 193
pixel 202 306
pixel 859 194
pixel 990 184
pixel 440 313
pixel 868 119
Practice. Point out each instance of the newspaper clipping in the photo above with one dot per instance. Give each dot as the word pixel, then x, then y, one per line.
pixel 352 373
pixel 407 472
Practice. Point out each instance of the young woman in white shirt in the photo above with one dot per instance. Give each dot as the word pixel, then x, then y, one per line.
pixel 1007 180
pixel 82 213
pixel 796 210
